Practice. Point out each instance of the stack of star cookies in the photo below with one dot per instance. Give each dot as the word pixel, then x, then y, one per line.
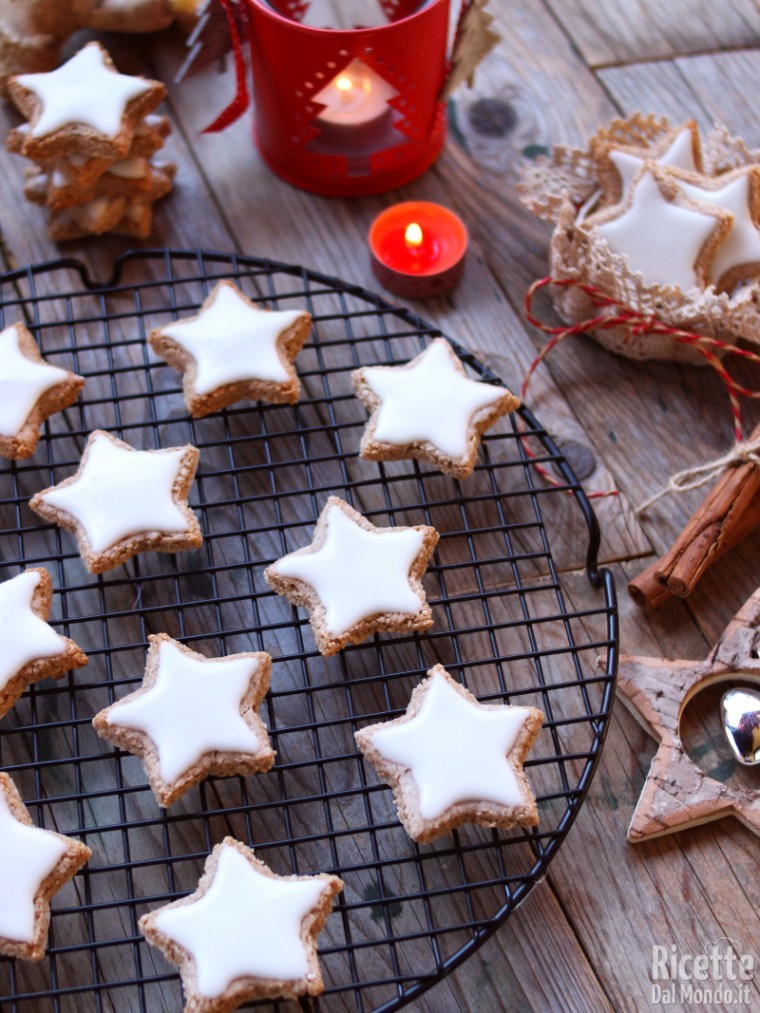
pixel 661 220
pixel 92 134
pixel 676 224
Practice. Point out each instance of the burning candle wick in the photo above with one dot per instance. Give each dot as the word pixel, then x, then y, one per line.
pixel 413 235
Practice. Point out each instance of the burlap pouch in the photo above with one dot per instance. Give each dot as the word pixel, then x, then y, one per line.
pixel 564 188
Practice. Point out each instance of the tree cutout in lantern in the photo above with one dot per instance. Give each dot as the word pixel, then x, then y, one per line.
pixel 357 117
pixel 347 14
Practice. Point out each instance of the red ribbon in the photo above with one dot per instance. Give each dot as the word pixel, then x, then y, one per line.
pixel 638 325
pixel 240 103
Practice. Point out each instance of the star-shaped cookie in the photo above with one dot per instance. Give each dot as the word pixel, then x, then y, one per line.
pixel 193 716
pixel 451 760
pixel 677 794
pixel 429 409
pixel 31 650
pixel 356 579
pixel 246 933
pixel 667 238
pixel 122 501
pixel 233 350
pixel 31 391
pixel 34 865
pixel 85 106
pixel 738 193
pixel 618 165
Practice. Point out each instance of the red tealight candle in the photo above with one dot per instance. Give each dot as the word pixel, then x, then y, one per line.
pixel 418 249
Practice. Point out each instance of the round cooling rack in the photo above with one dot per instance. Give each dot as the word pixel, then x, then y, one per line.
pixel 507 623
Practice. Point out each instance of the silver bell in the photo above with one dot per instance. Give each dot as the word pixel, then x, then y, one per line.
pixel 740 711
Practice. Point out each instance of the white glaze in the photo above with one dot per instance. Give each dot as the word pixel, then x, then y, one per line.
pixel 456 751
pixel 232 342
pixel 660 239
pixel 245 925
pixel 23 635
pixel 83 91
pixel 22 382
pixel 357 573
pixel 742 244
pixel 120 493
pixel 192 708
pixel 130 168
pixel 431 402
pixel 680 154
pixel 27 857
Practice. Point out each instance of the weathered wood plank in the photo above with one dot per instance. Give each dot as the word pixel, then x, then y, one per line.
pixel 631 30
pixel 687 890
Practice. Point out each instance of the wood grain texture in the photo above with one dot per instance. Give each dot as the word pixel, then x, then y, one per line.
pixel 630 30
pixel 583 940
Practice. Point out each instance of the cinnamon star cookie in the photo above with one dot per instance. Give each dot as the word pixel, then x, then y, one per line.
pixel 245 933
pixel 451 760
pixel 233 350
pixel 31 649
pixel 34 865
pixel 193 716
pixel 666 237
pixel 429 409
pixel 122 501
pixel 356 579
pixel 31 390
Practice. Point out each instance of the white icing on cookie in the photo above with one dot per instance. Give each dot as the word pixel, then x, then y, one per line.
pixel 121 493
pixel 430 402
pixel 192 708
pixel 680 154
pixel 94 210
pixel 130 168
pixel 23 635
pixel 232 342
pixel 245 925
pixel 22 382
pixel 455 750
pixel 83 91
pixel 357 573
pixel 742 244
pixel 660 239
pixel 27 857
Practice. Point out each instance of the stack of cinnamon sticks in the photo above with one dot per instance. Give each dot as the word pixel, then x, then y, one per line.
pixel 729 512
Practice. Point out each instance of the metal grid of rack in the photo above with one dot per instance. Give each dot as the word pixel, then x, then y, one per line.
pixel 505 624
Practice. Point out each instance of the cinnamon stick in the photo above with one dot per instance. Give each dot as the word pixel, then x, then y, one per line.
pixel 729 512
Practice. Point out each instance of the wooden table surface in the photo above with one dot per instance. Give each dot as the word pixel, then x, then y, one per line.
pixel 583 940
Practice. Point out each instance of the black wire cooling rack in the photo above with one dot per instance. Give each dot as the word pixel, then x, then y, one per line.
pixel 506 623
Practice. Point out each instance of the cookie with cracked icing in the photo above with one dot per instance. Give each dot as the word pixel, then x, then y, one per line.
pixel 356 579
pixel 429 410
pixel 246 933
pixel 192 717
pixel 34 865
pixel 85 106
pixel 133 178
pixel 617 165
pixel 31 649
pixel 451 760
pixel 122 501
pixel 31 390
pixel 149 137
pixel 669 239
pixel 234 350
pixel 737 193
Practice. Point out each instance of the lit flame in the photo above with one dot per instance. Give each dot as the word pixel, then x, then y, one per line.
pixel 344 83
pixel 413 234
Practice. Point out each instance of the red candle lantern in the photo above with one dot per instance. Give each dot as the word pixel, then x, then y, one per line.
pixel 349 112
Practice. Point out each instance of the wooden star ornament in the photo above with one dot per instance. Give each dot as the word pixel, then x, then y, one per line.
pixel 677 794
